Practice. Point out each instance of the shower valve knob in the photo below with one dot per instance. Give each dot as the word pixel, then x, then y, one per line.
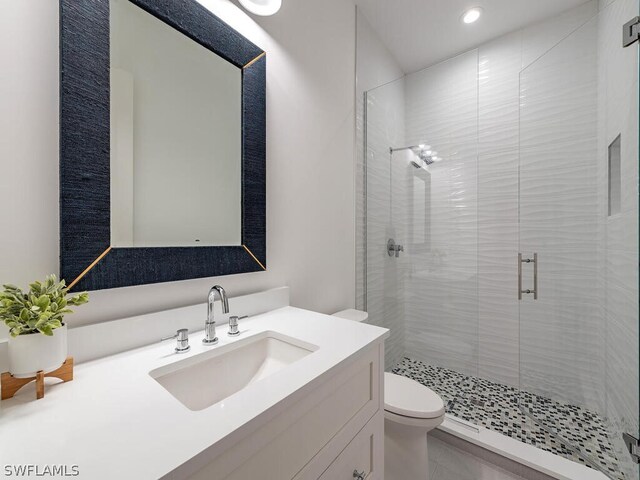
pixel 393 249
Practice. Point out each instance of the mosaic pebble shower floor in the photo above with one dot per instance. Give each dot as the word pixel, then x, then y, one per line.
pixel 496 407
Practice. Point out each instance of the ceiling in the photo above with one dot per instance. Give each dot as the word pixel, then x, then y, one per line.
pixel 420 33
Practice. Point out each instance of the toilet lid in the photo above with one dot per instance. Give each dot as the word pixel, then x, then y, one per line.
pixel 352 314
pixel 409 398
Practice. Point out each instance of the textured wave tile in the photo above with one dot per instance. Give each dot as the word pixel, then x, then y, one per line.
pixel 498 310
pixel 540 38
pixel 499 92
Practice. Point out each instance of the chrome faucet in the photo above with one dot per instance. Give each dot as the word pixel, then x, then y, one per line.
pixel 210 326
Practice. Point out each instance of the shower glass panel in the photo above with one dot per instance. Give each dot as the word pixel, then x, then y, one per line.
pixel 579 307
pixel 535 188
pixel 441 283
pixel 427 294
pixel 385 216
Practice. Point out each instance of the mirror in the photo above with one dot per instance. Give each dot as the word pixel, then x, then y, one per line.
pixel 176 140
pixel 162 144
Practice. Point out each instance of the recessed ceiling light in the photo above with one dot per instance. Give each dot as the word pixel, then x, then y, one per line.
pixel 472 15
pixel 262 7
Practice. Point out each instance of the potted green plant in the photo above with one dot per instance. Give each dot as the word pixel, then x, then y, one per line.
pixel 38 334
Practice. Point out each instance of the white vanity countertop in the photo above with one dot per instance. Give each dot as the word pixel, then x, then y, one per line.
pixel 114 421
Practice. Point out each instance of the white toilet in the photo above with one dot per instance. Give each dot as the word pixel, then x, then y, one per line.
pixel 411 410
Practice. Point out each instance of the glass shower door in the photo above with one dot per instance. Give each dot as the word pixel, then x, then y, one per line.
pixel 578 240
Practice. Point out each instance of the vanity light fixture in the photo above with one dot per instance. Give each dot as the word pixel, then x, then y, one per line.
pixel 262 7
pixel 472 15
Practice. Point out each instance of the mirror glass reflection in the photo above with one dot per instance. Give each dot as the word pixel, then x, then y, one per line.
pixel 175 137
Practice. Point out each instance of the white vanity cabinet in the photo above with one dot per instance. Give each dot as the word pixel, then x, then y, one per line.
pixel 298 395
pixel 334 429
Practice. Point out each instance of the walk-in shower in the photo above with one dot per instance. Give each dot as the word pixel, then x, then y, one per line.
pixel 515 297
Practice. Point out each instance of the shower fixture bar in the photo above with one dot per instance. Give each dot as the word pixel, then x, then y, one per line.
pixel 414 148
pixel 422 151
pixel 400 149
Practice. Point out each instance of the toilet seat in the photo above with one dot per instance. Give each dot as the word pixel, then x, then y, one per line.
pixel 424 424
pixel 407 399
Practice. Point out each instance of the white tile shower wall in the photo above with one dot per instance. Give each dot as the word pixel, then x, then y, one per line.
pixel 542 37
pixel 310 175
pixel 376 66
pixel 441 288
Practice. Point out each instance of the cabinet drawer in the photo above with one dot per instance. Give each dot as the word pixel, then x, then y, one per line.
pixel 364 454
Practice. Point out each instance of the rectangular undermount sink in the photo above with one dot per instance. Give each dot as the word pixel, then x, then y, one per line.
pixel 206 379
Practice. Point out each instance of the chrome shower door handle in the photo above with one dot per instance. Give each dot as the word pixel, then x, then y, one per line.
pixel 535 276
pixel 519 276
pixel 533 260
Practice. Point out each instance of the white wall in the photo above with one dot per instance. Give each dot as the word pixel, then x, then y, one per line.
pixel 310 166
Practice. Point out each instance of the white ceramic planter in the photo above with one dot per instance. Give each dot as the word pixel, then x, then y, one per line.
pixel 28 354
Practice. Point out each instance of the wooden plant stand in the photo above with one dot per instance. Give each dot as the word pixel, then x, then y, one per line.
pixel 10 385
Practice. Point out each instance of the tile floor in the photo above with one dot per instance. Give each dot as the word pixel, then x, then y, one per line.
pixel 496 407
pixel 449 463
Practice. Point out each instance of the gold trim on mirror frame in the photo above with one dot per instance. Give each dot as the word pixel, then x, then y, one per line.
pixel 254 61
pixel 104 254
pixel 88 269
pixel 254 257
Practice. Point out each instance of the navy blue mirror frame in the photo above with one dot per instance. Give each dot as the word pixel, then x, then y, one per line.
pixel 87 259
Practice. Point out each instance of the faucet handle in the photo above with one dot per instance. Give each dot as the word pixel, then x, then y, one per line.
pixel 182 340
pixel 233 325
